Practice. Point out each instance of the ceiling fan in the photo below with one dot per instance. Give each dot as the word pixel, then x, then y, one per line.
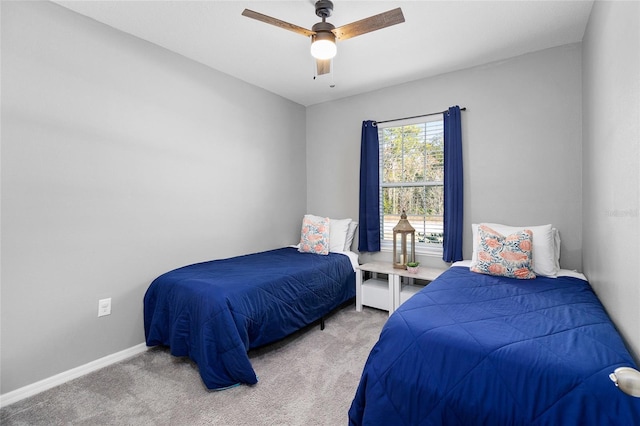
pixel 324 35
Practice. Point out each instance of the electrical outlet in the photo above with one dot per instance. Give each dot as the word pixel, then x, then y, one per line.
pixel 104 307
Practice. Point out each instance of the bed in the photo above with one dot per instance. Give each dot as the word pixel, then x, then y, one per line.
pixel 475 348
pixel 214 312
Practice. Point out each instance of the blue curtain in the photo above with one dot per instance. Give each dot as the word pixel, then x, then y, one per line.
pixel 453 191
pixel 369 216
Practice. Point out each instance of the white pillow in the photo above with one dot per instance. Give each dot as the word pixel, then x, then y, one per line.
pixel 351 233
pixel 556 245
pixel 338 234
pixel 544 251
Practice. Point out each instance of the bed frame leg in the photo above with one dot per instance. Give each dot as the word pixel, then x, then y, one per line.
pixel 322 323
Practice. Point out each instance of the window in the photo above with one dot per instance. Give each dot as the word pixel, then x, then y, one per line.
pixel 412 178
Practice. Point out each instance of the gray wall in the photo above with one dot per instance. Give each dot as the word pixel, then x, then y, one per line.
pixel 522 135
pixel 611 161
pixel 120 161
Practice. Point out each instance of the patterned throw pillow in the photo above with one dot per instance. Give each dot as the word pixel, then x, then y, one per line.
pixel 314 237
pixel 506 256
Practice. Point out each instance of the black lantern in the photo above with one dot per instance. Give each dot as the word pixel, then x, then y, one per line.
pixel 403 251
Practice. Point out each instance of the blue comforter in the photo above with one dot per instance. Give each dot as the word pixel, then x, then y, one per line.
pixel 214 312
pixel 475 349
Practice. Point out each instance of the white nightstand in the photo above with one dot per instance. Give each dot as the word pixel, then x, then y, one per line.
pixel 388 294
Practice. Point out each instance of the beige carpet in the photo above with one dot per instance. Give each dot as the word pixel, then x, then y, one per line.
pixel 309 378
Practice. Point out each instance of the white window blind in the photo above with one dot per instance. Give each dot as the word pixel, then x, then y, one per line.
pixel 412 177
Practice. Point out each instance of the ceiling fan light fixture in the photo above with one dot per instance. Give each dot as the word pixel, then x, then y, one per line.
pixel 324 34
pixel 323 45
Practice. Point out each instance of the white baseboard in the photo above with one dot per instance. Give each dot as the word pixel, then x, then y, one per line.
pixel 37 387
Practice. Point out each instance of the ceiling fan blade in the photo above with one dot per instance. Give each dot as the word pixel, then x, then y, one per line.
pixel 372 23
pixel 323 66
pixel 277 22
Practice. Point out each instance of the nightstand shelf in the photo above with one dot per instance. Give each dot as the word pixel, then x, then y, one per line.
pixel 388 294
pixel 408 290
pixel 375 293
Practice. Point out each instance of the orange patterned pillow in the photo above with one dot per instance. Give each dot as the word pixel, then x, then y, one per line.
pixel 314 236
pixel 506 256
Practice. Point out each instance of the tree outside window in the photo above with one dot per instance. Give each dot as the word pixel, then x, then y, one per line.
pixel 412 178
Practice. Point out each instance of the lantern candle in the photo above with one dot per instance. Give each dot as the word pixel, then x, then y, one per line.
pixel 401 253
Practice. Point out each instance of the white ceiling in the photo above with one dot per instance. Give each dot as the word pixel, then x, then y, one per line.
pixel 437 37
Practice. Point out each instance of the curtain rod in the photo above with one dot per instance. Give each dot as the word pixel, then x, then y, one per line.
pixel 417 116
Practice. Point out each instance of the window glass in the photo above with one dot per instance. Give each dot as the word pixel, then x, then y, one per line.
pixel 411 177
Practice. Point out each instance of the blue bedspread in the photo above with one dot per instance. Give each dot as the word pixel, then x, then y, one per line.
pixel 214 312
pixel 475 349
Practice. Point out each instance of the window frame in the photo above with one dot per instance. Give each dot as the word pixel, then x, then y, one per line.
pixel 427 249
